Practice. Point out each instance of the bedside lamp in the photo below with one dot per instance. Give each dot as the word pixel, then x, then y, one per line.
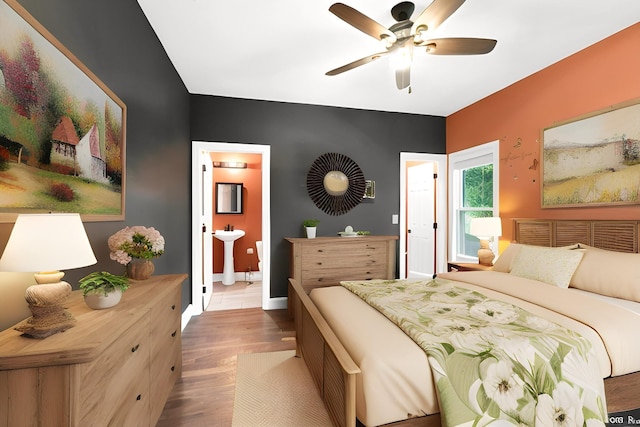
pixel 47 243
pixel 485 229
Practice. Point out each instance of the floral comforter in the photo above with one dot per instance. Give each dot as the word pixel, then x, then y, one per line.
pixel 493 363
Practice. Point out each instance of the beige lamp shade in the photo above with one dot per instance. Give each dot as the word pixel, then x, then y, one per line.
pixel 47 242
pixel 485 228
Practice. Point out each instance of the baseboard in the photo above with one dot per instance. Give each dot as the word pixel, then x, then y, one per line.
pixel 276 303
pixel 240 276
pixel 187 314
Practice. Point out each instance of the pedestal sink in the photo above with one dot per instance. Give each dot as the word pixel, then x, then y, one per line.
pixel 228 237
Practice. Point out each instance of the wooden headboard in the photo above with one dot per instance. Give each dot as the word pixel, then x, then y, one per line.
pixel 613 235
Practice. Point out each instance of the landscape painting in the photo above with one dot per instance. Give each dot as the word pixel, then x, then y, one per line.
pixel 62 131
pixel 594 160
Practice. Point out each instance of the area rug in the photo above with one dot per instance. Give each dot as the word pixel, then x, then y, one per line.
pixel 276 390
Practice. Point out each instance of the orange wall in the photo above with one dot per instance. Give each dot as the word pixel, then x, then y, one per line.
pixel 602 75
pixel 250 220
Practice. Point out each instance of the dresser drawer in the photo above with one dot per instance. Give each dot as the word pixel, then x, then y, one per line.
pixel 332 276
pixel 165 319
pixel 107 394
pixel 135 408
pixel 344 263
pixel 166 369
pixel 166 349
pixel 166 365
pixel 355 248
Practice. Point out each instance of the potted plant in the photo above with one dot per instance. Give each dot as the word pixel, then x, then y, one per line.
pixel 310 227
pixel 102 289
pixel 135 247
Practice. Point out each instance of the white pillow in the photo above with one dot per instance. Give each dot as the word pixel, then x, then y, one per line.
pixel 505 260
pixel 554 266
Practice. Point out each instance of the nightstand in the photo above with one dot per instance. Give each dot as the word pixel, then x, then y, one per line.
pixel 467 266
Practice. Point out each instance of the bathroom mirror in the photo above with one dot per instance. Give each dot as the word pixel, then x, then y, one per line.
pixel 228 198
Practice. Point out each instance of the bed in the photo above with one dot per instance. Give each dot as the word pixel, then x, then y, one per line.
pixel 389 387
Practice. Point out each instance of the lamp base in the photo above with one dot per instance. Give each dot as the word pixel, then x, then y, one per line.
pixel 485 254
pixel 48 315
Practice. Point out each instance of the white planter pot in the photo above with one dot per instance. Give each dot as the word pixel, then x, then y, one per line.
pixel 311 232
pixel 99 301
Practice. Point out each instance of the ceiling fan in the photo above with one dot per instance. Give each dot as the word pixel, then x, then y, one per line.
pixel 402 37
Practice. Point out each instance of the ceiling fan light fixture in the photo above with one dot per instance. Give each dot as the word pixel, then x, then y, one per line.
pixel 387 41
pixel 402 57
pixel 418 37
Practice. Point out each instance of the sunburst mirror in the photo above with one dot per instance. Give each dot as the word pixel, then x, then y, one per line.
pixel 335 183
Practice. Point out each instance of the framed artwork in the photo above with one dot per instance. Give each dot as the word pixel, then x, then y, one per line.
pixel 62 131
pixel 369 189
pixel 593 160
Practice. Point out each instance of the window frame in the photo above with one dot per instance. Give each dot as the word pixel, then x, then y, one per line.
pixel 464 159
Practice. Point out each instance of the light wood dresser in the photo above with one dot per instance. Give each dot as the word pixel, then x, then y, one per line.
pixel 325 261
pixel 116 367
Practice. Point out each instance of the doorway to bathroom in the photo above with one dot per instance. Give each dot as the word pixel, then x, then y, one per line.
pixel 238 163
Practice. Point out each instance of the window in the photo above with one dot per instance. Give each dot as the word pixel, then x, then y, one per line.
pixel 473 193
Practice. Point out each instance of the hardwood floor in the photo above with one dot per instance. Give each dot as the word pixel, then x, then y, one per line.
pixel 210 345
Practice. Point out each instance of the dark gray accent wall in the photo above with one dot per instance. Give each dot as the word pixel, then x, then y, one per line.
pixel 115 41
pixel 298 134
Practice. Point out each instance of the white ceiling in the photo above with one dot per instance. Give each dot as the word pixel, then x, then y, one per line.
pixel 279 50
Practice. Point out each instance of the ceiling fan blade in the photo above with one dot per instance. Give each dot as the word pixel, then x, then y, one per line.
pixel 354 64
pixel 435 14
pixel 361 22
pixel 460 46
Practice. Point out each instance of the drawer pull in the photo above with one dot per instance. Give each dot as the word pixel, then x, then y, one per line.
pixel 173 368
pixel 174 333
pixel 134 349
pixel 139 397
pixel 173 306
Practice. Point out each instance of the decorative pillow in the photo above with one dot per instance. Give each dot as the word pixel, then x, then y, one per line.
pixel 504 261
pixel 610 273
pixel 554 266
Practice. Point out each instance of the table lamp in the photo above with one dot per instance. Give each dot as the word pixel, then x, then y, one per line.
pixel 485 229
pixel 47 243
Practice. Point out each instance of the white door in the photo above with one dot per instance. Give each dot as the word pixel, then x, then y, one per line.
pixel 437 246
pixel 205 206
pixel 420 220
